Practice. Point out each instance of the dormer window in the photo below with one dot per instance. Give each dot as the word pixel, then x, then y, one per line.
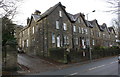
pixel 60 13
pixel 64 26
pixel 78 20
pixel 57 25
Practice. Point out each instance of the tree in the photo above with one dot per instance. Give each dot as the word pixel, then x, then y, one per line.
pixel 8 8
pixel 115 6
pixel 7 30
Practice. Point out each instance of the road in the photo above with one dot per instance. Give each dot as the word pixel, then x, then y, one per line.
pixel 107 66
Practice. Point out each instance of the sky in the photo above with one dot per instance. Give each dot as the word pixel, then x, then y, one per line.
pixel 72 6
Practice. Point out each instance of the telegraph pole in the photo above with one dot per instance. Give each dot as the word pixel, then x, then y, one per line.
pixel 89 37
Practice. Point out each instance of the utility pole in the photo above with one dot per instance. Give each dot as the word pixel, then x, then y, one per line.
pixel 89 37
pixel 119 21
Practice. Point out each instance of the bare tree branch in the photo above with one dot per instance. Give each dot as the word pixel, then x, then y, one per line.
pixel 8 7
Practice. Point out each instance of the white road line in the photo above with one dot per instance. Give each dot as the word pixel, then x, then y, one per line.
pixel 100 66
pixel 92 68
pixel 96 67
pixel 74 73
pixel 113 62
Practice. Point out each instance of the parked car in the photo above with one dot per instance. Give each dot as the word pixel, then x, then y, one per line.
pixel 119 58
pixel 20 50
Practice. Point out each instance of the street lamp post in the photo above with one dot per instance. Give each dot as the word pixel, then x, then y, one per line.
pixel 89 37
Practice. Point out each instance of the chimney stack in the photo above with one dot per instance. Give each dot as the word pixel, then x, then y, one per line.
pixel 37 12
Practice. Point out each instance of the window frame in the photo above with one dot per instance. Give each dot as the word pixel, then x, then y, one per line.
pixel 53 37
pixel 57 25
pixel 60 13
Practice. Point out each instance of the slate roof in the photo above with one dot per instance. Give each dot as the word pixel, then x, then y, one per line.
pixel 91 24
pixel 76 16
pixel 71 17
pixel 36 17
pixel 104 27
pixel 50 10
pixel 47 12
pixel 110 29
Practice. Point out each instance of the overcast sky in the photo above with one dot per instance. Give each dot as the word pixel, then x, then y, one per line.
pixel 72 6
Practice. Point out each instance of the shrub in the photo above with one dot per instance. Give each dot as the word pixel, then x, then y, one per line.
pixel 57 54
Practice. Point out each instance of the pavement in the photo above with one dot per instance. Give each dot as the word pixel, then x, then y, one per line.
pixel 33 65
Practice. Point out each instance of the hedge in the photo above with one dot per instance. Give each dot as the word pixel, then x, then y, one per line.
pixel 59 54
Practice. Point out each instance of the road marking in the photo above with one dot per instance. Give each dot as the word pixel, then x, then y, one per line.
pixel 113 62
pixel 92 68
pixel 100 66
pixel 74 73
pixel 96 67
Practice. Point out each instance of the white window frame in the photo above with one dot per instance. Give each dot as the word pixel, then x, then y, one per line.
pixel 58 41
pixel 79 30
pixel 23 43
pixel 64 26
pixel 91 32
pixel 83 44
pixel 76 41
pixel 86 31
pixel 87 42
pixel 65 40
pixel 60 13
pixel 74 28
pixel 79 20
pixel 27 43
pixel 53 37
pixel 23 32
pixel 82 30
pixel 57 25
pixel 93 42
pixel 33 29
pixel 99 34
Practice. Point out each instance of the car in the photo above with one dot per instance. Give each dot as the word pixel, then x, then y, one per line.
pixel 119 59
pixel 20 50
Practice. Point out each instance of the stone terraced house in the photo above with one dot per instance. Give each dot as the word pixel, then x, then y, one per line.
pixel 57 28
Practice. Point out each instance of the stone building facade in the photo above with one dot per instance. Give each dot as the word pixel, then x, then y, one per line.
pixel 57 28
